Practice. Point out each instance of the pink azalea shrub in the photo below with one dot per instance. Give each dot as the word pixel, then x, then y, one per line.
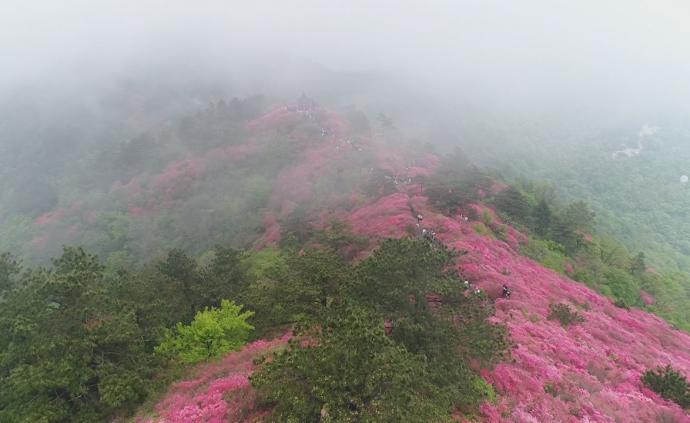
pixel 179 175
pixel 387 217
pixel 217 392
pixel 51 217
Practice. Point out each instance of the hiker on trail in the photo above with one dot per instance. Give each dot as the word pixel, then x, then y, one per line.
pixel 420 218
pixel 506 292
pixel 467 284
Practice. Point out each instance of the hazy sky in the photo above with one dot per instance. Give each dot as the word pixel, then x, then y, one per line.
pixel 547 51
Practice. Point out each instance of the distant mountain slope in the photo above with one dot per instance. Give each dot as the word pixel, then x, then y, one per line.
pixel 631 175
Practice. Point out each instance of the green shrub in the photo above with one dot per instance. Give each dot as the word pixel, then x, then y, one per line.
pixel 481 229
pixel 550 254
pixel 669 383
pixel 564 314
pixel 213 332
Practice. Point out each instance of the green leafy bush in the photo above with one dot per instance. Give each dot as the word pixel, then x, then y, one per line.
pixel 669 383
pixel 213 332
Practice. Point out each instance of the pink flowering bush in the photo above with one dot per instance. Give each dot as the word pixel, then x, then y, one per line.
pixel 216 392
pixel 51 217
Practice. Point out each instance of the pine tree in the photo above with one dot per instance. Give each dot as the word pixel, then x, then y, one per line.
pixel 513 203
pixel 637 264
pixel 542 218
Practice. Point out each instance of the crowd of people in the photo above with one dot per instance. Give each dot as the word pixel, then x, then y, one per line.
pixel 430 236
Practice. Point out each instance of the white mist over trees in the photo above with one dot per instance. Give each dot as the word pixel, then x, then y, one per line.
pixel 618 55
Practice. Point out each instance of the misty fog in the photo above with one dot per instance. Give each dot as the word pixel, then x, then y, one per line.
pixel 500 79
pixel 543 56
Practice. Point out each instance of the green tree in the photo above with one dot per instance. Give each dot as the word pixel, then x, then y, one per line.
pixel 513 202
pixel 622 287
pixel 579 216
pixel 68 351
pixel 638 264
pixel 183 270
pixel 9 272
pixel 353 372
pixel 296 228
pixel 385 121
pixel 563 232
pixel 302 287
pixel 542 218
pixel 225 277
pixel 336 370
pixel 454 185
pixel 213 332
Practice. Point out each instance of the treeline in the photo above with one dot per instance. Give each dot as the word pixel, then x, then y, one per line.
pixel 562 237
pixel 83 342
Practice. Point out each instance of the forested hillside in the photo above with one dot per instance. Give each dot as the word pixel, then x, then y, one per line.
pixel 252 261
